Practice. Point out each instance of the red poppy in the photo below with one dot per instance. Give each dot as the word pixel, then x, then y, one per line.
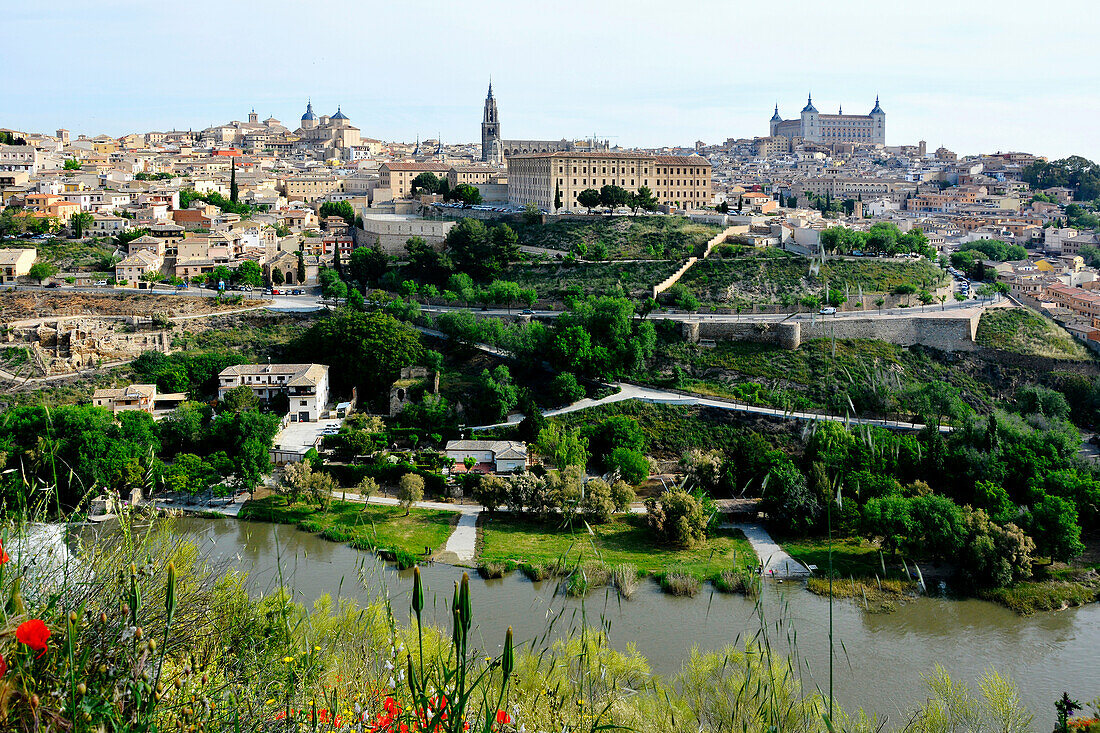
pixel 3 667
pixel 34 634
pixel 503 718
pixel 3 555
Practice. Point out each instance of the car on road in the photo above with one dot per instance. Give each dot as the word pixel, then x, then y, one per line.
pixel 299 292
pixel 827 311
pixel 527 312
pixel 53 285
pixel 101 283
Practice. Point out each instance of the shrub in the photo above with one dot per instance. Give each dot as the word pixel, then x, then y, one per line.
pixel 679 584
pixel 631 465
pixel 597 504
pixel 564 389
pixel 492 570
pixel 677 519
pixel 626 579
pixel 586 577
pixel 622 495
pixel 410 489
pixel 738 581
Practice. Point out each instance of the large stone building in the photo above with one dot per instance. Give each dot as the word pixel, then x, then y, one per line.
pixel 305 385
pixel 675 180
pixel 334 132
pixel 495 150
pixel 812 126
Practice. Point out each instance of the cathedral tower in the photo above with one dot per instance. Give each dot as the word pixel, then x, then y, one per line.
pixel 490 128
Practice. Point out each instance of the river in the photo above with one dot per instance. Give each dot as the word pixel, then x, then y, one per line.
pixel 879 657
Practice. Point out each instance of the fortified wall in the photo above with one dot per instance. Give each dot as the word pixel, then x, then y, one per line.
pixel 944 332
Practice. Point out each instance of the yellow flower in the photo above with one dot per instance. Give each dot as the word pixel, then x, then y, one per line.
pixel 316 648
pixel 270 701
pixel 288 660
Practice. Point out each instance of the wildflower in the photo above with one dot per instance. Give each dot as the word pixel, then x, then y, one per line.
pixel 503 718
pixel 34 634
pixel 3 555
pixel 3 667
pixel 270 701
pixel 391 684
pixel 288 660
pixel 316 648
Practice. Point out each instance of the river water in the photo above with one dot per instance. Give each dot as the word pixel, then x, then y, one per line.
pixel 879 659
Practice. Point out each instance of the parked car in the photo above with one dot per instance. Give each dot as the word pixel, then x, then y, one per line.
pixel 53 285
pixel 827 311
pixel 101 283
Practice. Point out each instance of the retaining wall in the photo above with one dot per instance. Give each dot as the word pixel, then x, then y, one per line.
pixel 946 333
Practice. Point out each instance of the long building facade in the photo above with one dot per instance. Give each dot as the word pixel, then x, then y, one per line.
pixel 675 180
pixel 812 126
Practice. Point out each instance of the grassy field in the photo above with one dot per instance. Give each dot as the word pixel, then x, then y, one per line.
pixel 557 280
pixel 1023 331
pixel 368 527
pixel 623 540
pixel 772 276
pixel 621 237
pixel 852 557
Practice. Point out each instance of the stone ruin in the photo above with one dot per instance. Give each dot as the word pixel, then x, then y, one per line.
pixel 60 346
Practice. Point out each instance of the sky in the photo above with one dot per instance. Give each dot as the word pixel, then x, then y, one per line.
pixel 974 75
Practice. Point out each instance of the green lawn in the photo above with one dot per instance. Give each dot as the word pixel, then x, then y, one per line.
pixel 370 526
pixel 1022 331
pixel 68 254
pixel 624 539
pixel 853 556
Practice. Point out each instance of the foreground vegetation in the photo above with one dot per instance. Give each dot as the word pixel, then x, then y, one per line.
pixel 1023 331
pixel 150 637
pixel 621 238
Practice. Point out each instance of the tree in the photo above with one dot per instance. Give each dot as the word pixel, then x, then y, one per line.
pixel 426 181
pixel 410 489
pixel 565 389
pixel 367 265
pixel 632 465
pixel 563 447
pixel 480 251
pixel 342 209
pixel 677 519
pixel 277 277
pixel 491 492
pixel 72 164
pixel 498 394
pixel 557 197
pixel 597 504
pixel 366 488
pixel 467 194
pixel 301 267
pixel 1054 527
pixel 249 273
pixel 80 222
pixel 364 349
pixel 234 193
pixel 613 197
pixel 643 199
pixel 41 270
pixel 589 198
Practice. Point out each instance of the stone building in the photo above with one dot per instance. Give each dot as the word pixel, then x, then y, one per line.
pixel 812 126
pixel 675 180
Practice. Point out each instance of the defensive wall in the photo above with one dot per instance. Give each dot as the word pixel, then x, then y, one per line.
pixel 943 332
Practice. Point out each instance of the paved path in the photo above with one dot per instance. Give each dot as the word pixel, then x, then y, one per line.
pixel 461 545
pixel 659 396
pixel 776 562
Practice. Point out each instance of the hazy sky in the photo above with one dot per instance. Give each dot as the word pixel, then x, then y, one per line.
pixel 971 74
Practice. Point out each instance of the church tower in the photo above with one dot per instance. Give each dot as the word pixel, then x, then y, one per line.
pixel 490 128
pixel 811 130
pixel 878 120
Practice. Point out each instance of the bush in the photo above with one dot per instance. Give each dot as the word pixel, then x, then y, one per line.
pixel 492 570
pixel 410 489
pixel 679 584
pixel 597 504
pixel 626 579
pixel 677 519
pixel 586 577
pixel 738 581
pixel 622 495
pixel 565 390
pixel 632 465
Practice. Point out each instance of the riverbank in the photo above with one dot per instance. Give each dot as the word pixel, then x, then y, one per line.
pixel 381 528
pixel 880 583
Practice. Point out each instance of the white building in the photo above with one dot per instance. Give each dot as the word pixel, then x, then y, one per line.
pixel 500 456
pixel 305 385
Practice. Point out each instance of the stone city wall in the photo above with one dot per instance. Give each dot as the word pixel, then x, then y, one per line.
pixel 947 333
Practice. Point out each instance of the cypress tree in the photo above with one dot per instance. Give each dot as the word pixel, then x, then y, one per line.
pixel 233 181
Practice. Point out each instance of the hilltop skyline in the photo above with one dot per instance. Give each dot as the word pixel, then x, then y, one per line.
pixel 668 79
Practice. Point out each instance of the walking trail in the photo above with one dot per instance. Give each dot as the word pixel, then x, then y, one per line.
pixel 774 561
pixel 461 546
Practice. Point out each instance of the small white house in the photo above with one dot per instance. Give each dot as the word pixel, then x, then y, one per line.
pixel 305 385
pixel 492 456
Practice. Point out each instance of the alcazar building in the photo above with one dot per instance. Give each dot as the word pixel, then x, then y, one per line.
pixel 812 126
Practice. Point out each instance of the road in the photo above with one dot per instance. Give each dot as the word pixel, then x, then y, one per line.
pixel 947 309
pixel 307 302
pixel 660 396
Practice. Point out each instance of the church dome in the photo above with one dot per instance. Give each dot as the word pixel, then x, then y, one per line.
pixel 309 112
pixel 339 115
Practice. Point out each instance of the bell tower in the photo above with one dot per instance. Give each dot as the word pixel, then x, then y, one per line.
pixel 490 128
